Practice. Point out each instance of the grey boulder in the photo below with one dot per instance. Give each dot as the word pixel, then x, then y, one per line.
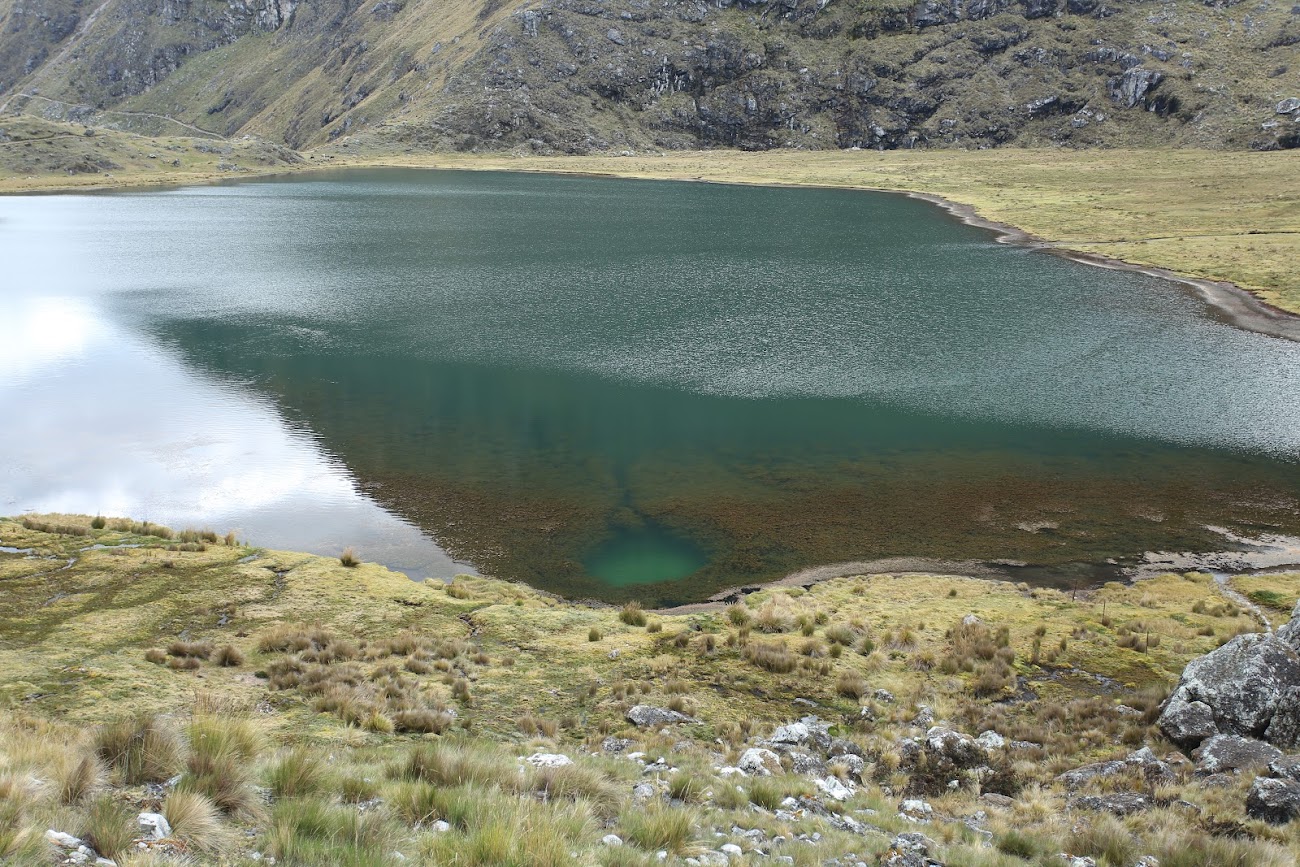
pixel 1274 801
pixel 1119 803
pixel 645 715
pixel 1224 753
pixel 1241 683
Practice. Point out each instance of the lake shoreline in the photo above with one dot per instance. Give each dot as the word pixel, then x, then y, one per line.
pixel 1264 555
pixel 1227 301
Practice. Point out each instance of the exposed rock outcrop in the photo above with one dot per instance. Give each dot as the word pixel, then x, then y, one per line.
pixel 1247 687
pixel 644 715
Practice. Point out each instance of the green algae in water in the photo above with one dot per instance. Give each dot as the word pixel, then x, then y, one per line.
pixel 645 554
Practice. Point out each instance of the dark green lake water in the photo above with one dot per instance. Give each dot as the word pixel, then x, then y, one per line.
pixel 618 388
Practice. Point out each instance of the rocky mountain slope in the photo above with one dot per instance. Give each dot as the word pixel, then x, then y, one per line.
pixel 581 75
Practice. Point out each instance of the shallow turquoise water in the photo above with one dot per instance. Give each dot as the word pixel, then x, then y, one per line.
pixel 619 388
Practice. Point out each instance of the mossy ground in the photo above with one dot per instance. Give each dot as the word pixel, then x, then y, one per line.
pixel 522 671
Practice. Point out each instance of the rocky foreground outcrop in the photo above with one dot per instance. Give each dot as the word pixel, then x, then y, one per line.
pixel 1237 709
pixel 1248 687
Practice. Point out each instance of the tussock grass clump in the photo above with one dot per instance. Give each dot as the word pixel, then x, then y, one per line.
pixel 21 845
pixel 632 614
pixel 142 749
pixel 422 721
pixel 222 750
pixel 296 773
pixel 140 528
pixel 228 656
pixel 660 828
pixel 574 782
pixel 687 787
pixel 307 831
pixel 156 655
pixel 773 657
pixel 458 589
pixel 76 777
pixel 772 618
pixel 594 634
pixel 55 528
pixel 533 725
pixel 195 819
pixel 289 637
pixel 349 558
pixel 841 634
pixel 851 684
pixel 194 649
pixel 108 827
pixel 453 764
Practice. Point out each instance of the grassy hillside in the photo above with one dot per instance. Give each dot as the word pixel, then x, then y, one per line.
pixel 285 705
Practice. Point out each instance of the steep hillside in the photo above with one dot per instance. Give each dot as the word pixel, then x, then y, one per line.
pixel 581 75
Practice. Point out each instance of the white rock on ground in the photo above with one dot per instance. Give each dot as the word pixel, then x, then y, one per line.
pixel 833 787
pixel 154 826
pixel 759 762
pixel 548 760
pixel 62 840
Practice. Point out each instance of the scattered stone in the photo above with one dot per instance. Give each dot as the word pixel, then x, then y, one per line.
pixel 1290 105
pixel 731 850
pixel 955 747
pixel 643 791
pixel 916 810
pixel 833 787
pixel 924 717
pixel 1147 861
pixel 615 745
pixel 62 840
pixel 991 740
pixel 996 800
pixel 883 696
pixel 758 761
pixel 612 840
pixel 154 826
pixel 806 763
pixel 1077 860
pixel 1274 801
pixel 644 715
pixel 808 731
pixel 1079 776
pixel 614 36
pixel 440 827
pixel 548 760
pixel 908 850
pixel 1119 803
pixel 1153 769
pixel 1224 753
